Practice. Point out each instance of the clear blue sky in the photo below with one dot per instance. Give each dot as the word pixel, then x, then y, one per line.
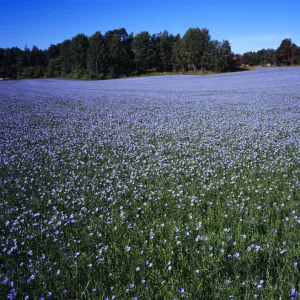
pixel 248 25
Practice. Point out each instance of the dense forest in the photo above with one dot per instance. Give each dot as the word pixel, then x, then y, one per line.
pixel 119 54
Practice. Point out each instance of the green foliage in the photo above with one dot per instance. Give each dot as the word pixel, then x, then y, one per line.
pixel 117 53
pixel 264 57
pixel 78 48
pixel 195 48
pixel 177 57
pixel 194 44
pixel 166 42
pixel 142 51
pixel 224 60
pixel 297 60
pixel 96 55
pixel 53 51
pixel 33 72
pixel 66 58
pixel 54 68
pixel 283 54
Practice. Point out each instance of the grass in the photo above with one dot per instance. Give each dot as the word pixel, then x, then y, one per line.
pixel 154 73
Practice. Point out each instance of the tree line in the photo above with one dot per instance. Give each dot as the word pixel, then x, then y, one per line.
pixel 117 54
pixel 286 54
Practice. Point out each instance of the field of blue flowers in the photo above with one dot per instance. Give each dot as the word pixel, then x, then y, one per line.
pixel 151 188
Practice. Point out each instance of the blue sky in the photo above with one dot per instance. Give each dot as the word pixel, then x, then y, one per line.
pixel 248 25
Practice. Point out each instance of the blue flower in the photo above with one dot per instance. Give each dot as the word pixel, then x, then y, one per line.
pixel 181 291
pixel 12 294
pixel 293 293
pixel 282 251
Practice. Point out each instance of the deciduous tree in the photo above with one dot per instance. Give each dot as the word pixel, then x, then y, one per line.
pixel 96 55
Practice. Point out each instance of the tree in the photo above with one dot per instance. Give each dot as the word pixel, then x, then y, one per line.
pixel 65 58
pixel 96 55
pixel 264 56
pixel 166 42
pixel 54 68
pixel 37 63
pixel 9 62
pixel 270 56
pixel 143 55
pixel 26 57
pixel 53 51
pixel 128 65
pixel 283 54
pixel 177 55
pixel 115 56
pixel 224 61
pixel 118 45
pixel 261 57
pixel 249 58
pixel 194 44
pixel 208 47
pixel 210 55
pixel 295 51
pixel 79 46
pixel 38 57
